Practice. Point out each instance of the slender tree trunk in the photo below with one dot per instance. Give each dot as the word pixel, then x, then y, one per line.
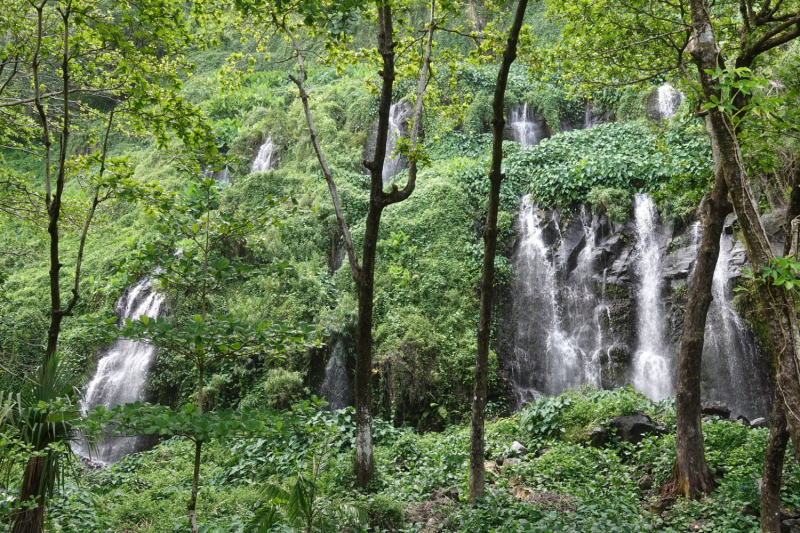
pixel 192 507
pixel 778 435
pixel 772 476
pixel 691 476
pixel 31 520
pixel 476 457
pixel 777 304
pixel 364 274
pixel 363 380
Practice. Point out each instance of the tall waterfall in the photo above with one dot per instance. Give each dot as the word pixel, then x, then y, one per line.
pixel 557 333
pixel 264 157
pixel 335 387
pixel 524 128
pixel 652 368
pixel 668 99
pixel 122 371
pixel 399 114
pixel 730 356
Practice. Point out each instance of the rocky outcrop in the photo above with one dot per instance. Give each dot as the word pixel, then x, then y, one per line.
pixel 594 267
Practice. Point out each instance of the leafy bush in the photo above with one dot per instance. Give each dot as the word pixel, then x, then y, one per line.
pixel 615 203
pixel 562 170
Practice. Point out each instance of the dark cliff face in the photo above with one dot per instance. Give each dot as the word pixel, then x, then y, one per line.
pixel 596 281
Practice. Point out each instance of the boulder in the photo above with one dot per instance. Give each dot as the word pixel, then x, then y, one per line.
pixel 598 437
pixel 511 461
pixel 645 482
pixel 633 428
pixel 790 526
pixel 716 409
pixel 759 423
pixel 518 449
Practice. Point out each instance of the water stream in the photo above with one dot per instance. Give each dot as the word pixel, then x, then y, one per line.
pixel 525 129
pixel 264 158
pixel 399 115
pixel 121 373
pixel 652 363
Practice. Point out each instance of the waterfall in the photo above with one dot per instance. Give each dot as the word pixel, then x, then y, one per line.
pixel 652 372
pixel 554 349
pixel 220 176
pixel 524 128
pixel 668 99
pixel 335 387
pixel 399 114
pixel 122 371
pixel 264 159
pixel 731 357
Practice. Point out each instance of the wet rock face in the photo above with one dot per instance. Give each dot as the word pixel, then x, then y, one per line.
pixel 571 315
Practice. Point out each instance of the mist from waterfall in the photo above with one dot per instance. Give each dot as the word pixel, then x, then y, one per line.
pixel 264 158
pixel 557 333
pixel 524 128
pixel 652 367
pixel 335 387
pixel 399 115
pixel 121 373
pixel 730 355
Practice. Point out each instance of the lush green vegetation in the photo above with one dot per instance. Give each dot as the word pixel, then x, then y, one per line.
pixel 250 267
pixel 575 487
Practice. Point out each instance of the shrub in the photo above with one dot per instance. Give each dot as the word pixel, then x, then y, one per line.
pixel 615 203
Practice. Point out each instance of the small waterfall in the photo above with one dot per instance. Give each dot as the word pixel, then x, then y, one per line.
pixel 553 349
pixel 264 159
pixel 335 387
pixel 731 358
pixel 399 115
pixel 220 176
pixel 668 99
pixel 524 128
pixel 652 371
pixel 122 371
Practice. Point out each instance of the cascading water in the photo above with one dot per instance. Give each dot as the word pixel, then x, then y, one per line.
pixel 122 371
pixel 264 159
pixel 335 387
pixel 730 356
pixel 668 99
pixel 553 350
pixel 524 128
pixel 220 176
pixel 399 115
pixel 652 368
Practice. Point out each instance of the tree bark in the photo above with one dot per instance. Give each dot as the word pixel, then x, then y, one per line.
pixel 778 435
pixel 31 520
pixel 777 304
pixel 192 507
pixel 476 457
pixel 772 476
pixel 691 476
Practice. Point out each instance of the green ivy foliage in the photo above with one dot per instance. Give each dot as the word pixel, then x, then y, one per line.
pixel 562 170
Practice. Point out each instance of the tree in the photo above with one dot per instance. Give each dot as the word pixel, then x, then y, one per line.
pixel 202 226
pixel 629 42
pixel 476 454
pixel 73 63
pixel 290 19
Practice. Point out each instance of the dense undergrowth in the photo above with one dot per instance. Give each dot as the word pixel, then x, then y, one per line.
pixel 563 485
